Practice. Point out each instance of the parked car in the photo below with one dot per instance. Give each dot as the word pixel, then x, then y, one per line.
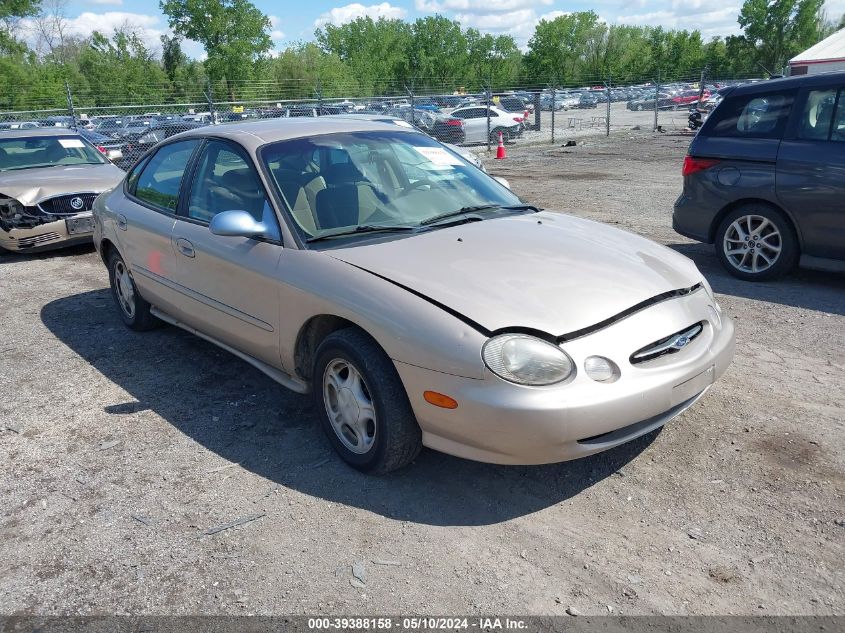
pixel 367 264
pixel 474 124
pixel 19 125
pixel 687 98
pixel 664 102
pixel 105 144
pixel 48 181
pixel 133 146
pixel 764 178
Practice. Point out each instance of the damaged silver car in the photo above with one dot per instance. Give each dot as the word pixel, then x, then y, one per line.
pixel 49 179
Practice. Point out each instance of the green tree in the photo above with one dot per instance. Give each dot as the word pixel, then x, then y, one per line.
pixel 235 34
pixel 776 30
pixel 376 51
pixel 557 49
pixel 172 57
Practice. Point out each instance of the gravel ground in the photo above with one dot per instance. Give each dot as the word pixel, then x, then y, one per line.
pixel 121 454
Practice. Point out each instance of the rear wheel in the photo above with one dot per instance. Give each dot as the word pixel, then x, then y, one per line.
pixel 133 309
pixel 362 404
pixel 756 242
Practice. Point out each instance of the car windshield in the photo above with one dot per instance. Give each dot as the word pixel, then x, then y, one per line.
pixel 46 151
pixel 336 182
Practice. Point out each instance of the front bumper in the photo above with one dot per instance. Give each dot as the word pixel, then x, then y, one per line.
pixel 43 237
pixel 504 423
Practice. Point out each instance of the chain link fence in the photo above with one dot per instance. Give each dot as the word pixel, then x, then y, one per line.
pixel 124 126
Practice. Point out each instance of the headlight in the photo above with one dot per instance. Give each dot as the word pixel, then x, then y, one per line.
pixel 526 360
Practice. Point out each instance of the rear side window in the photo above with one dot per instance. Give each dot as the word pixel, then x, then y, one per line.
pixel 752 116
pixel 817 114
pixel 159 180
pixel 838 130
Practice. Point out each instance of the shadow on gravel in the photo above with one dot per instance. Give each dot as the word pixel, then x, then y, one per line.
pixel 810 289
pixel 10 257
pixel 232 409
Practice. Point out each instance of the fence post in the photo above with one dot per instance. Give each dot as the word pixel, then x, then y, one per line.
pixel 607 118
pixel 411 95
pixel 209 97
pixel 537 110
pixel 656 97
pixel 554 96
pixel 70 105
pixel 319 96
pixel 488 93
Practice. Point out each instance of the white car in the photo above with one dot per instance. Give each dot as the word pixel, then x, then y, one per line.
pixel 474 121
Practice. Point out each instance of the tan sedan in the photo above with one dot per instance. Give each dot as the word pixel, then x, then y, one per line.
pixel 48 181
pixel 418 298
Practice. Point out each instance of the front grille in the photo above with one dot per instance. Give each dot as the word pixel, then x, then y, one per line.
pixel 64 205
pixel 669 345
pixel 35 240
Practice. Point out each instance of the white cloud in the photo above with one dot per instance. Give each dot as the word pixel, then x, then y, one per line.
pixel 276 34
pixel 341 15
pixel 711 18
pixel 477 6
pixel 149 28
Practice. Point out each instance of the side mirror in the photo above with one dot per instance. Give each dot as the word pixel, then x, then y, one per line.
pixel 236 223
pixel 502 181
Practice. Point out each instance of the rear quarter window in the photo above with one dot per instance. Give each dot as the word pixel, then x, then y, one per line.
pixel 751 116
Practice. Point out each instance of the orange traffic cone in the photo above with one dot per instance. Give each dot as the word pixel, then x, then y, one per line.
pixel 500 151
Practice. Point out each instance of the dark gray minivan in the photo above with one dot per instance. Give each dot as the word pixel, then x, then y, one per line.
pixel 764 178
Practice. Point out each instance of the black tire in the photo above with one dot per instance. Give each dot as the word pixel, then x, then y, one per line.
pixel 397 436
pixel 139 318
pixel 639 108
pixel 782 262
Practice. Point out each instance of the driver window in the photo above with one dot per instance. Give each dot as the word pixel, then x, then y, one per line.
pixel 224 181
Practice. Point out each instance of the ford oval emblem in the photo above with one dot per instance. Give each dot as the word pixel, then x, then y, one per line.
pixel 77 203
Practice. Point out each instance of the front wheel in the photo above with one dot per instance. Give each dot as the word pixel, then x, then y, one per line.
pixel 756 242
pixel 362 404
pixel 133 309
pixel 506 136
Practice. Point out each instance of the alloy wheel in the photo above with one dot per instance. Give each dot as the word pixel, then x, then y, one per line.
pixel 752 244
pixel 349 406
pixel 125 289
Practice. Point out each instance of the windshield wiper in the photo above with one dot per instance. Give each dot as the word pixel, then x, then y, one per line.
pixel 362 228
pixel 468 211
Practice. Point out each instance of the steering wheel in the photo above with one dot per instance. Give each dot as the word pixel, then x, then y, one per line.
pixel 416 185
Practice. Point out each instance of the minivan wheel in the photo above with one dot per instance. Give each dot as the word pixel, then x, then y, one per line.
pixel 756 242
pixel 362 404
pixel 133 309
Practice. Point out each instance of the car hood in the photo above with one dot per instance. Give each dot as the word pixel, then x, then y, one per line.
pixel 545 271
pixel 31 186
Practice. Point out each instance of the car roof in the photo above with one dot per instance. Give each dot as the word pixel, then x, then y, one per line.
pixel 257 132
pixel 39 131
pixel 786 83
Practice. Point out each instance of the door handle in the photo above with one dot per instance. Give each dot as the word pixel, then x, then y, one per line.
pixel 121 222
pixel 185 247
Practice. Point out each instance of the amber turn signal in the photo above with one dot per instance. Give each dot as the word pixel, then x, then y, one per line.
pixel 440 400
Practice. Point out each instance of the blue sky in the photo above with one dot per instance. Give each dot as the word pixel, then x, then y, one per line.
pixel 294 21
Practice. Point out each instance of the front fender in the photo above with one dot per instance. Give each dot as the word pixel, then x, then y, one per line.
pixel 410 329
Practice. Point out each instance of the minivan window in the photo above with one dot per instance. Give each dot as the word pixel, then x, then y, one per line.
pixel 161 177
pixel 838 130
pixel 814 124
pixel 752 116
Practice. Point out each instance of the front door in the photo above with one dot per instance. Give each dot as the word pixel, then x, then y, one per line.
pixel 146 222
pixel 811 170
pixel 230 282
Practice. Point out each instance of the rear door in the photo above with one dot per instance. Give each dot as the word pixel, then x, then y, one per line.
pixel 146 221
pixel 811 169
pixel 230 283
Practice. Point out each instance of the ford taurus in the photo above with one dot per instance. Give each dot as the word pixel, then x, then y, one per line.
pixel 418 299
